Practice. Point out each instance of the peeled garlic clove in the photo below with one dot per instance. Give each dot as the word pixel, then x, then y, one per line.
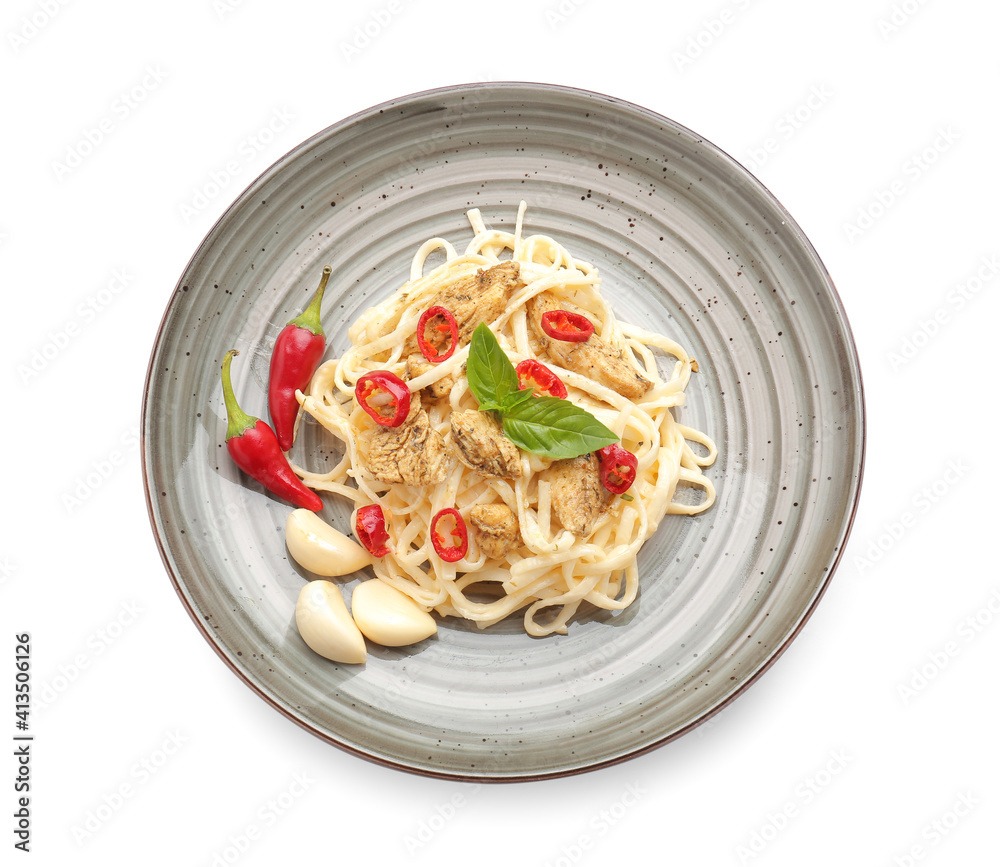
pixel 325 624
pixel 388 616
pixel 320 548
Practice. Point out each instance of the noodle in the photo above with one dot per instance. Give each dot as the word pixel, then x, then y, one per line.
pixel 550 573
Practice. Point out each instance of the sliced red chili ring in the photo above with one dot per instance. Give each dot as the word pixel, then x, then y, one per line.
pixel 369 527
pixel 563 325
pixel 618 468
pixel 437 334
pixel 384 396
pixel 451 543
pixel 536 376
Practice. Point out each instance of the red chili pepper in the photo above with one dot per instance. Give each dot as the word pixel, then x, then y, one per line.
pixel 563 325
pixel 369 526
pixel 297 353
pixel 536 376
pixel 618 468
pixel 254 449
pixel 384 396
pixel 450 544
pixel 430 343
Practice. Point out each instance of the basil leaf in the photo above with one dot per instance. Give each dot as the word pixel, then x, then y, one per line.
pixel 491 375
pixel 515 398
pixel 546 426
pixel 555 428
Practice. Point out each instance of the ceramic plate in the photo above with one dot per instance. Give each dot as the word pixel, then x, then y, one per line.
pixel 687 243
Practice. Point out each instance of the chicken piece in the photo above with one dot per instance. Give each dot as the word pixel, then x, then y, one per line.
pixel 482 297
pixel 495 528
pixel 411 454
pixel 593 358
pixel 576 492
pixel 482 445
pixel 417 365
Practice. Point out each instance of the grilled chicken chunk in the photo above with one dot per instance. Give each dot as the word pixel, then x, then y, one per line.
pixel 593 357
pixel 480 298
pixel 417 365
pixel 577 495
pixel 495 528
pixel 482 445
pixel 411 454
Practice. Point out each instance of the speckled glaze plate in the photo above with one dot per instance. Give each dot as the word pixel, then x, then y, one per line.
pixel 688 243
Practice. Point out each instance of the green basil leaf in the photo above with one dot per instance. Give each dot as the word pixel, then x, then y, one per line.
pixel 514 399
pixel 490 407
pixel 546 426
pixel 491 375
pixel 555 428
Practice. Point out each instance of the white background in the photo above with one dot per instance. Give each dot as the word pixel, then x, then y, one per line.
pixel 871 741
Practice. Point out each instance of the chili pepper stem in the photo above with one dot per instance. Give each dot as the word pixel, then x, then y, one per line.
pixel 239 421
pixel 310 317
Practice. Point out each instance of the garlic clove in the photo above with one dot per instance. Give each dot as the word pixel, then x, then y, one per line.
pixel 326 625
pixel 388 616
pixel 320 548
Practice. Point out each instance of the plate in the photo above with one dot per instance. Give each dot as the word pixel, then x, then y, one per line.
pixel 688 243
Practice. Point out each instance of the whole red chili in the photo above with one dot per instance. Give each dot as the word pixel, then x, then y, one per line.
pixel 618 468
pixel 369 527
pixel 536 376
pixel 564 325
pixel 384 396
pixel 297 353
pixel 451 544
pixel 254 449
pixel 431 334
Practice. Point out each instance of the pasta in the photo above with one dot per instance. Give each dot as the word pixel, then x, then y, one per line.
pixel 550 572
